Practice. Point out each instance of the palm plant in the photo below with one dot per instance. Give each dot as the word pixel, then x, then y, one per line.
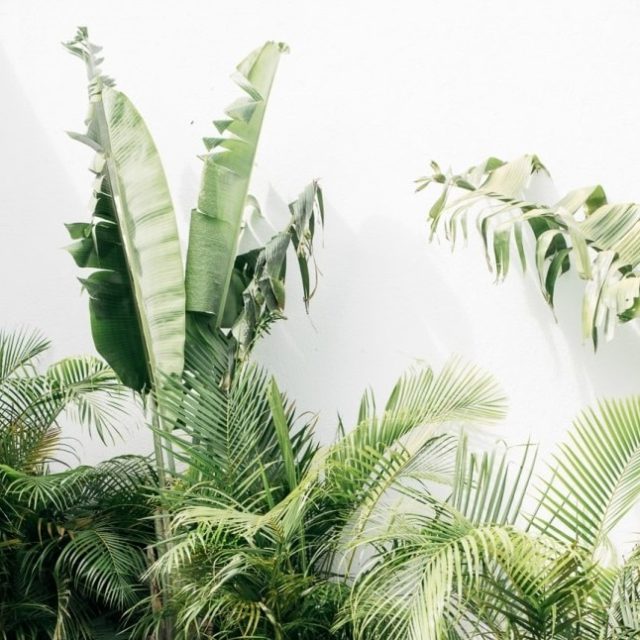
pixel 596 481
pixel 475 565
pixel 261 516
pixel 397 529
pixel 73 542
pixel 581 229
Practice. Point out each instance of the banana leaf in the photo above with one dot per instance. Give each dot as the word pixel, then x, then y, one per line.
pixel 216 222
pixel 136 287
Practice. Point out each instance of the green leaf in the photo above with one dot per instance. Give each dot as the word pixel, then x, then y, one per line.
pixel 137 297
pixel 282 432
pixel 601 240
pixel 257 292
pixel 596 477
pixel 216 221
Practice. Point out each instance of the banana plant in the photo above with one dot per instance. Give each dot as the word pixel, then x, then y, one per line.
pixel 139 298
pixel 146 316
pixel 600 240
pixel 136 291
pixel 216 221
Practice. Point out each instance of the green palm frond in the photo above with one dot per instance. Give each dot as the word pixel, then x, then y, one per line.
pixel 29 435
pixel 31 403
pixel 116 479
pixel 623 610
pixel 104 564
pixel 91 394
pixel 80 544
pixel 492 486
pixel 19 350
pixel 228 435
pixel 595 480
pixel 601 240
pixel 441 569
pixel 426 577
pixel 423 401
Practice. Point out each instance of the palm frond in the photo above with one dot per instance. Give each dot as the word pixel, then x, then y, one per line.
pixel 19 350
pixel 104 564
pixel 31 403
pixel 596 476
pixel 228 435
pixel 601 240
pixel 421 400
pixel 623 611
pixel 91 394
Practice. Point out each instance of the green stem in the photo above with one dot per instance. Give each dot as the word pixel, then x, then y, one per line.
pixel 162 522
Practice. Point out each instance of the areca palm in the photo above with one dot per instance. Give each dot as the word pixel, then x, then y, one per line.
pixel 262 516
pixel 473 565
pixel 582 229
pixel 72 542
pixel 32 402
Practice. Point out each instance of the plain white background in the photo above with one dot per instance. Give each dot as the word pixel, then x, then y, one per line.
pixel 369 94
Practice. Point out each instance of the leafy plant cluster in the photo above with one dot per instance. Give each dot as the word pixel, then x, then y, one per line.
pixel 241 525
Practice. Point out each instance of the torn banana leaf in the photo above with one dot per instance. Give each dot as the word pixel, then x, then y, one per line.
pixel 216 222
pixel 258 296
pixel 136 288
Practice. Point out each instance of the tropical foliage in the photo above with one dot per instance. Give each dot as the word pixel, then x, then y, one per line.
pixel 398 529
pixel 142 307
pixel 476 565
pixel 263 516
pixel 245 526
pixel 600 239
pixel 73 543
pixel 144 313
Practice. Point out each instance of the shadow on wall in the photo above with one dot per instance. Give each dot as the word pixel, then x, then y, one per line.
pixel 599 373
pixel 378 306
pixel 606 372
pixel 39 284
pixel 388 299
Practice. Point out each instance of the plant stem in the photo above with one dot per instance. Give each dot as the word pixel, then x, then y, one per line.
pixel 162 521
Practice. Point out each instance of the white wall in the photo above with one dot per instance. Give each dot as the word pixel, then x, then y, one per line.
pixel 370 92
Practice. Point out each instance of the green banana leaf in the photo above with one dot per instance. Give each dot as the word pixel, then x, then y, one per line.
pixel 136 289
pixel 256 296
pixel 217 221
